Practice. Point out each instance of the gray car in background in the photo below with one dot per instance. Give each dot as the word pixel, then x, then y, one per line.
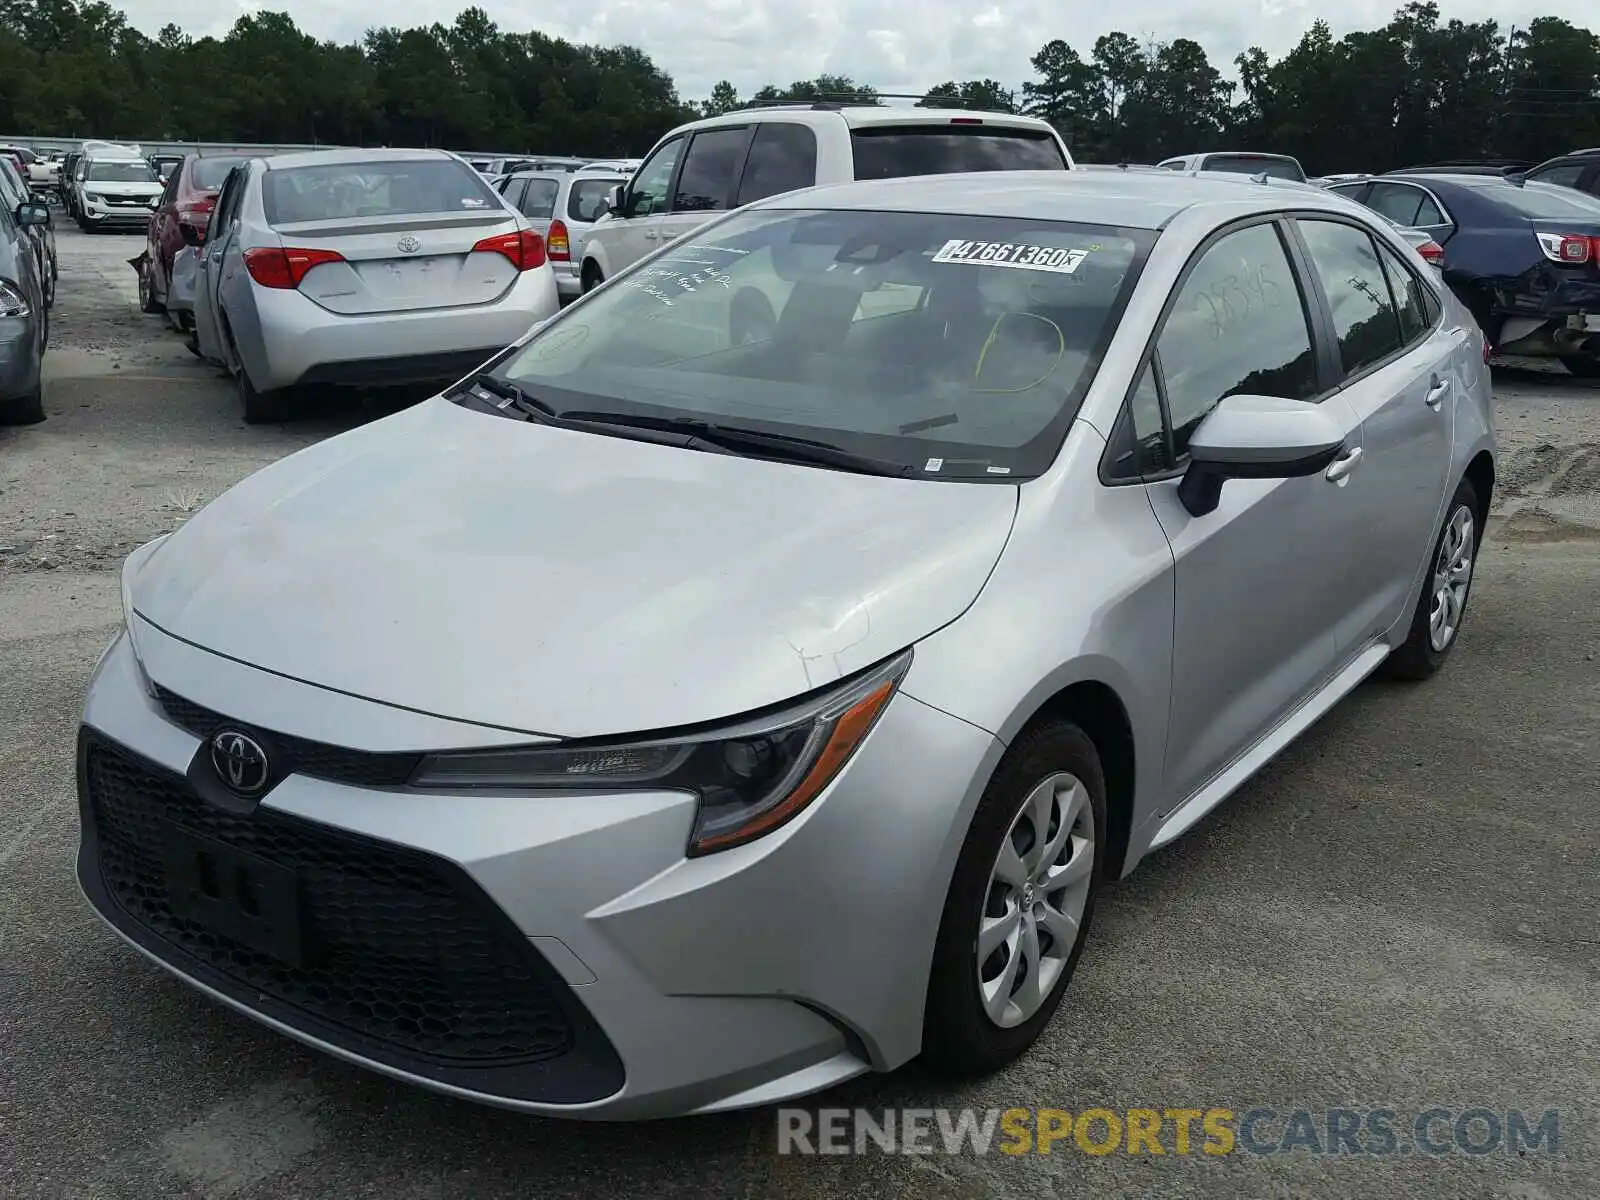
pixel 24 313
pixel 563 206
pixel 364 268
pixel 832 672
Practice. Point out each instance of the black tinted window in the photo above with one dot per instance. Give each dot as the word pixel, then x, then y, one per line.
pixel 783 157
pixel 539 201
pixel 1364 317
pixel 1408 294
pixel 942 149
pixel 1238 325
pixel 706 181
pixel 1144 442
pixel 1255 164
pixel 1567 175
pixel 586 197
pixel 373 189
pixel 210 172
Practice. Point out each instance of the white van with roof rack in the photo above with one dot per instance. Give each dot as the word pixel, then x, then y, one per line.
pixel 704 168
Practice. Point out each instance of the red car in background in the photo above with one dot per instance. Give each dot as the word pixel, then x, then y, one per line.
pixel 180 220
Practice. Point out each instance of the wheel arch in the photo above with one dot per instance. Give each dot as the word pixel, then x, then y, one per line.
pixel 1480 474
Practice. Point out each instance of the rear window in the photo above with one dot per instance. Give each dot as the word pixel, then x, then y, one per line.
pixel 1547 201
pixel 373 189
pixel 895 152
pixel 117 171
pixel 210 172
pixel 583 204
pixel 1256 164
pixel 955 345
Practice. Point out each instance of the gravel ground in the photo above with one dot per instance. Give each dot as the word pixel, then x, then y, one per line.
pixel 1398 913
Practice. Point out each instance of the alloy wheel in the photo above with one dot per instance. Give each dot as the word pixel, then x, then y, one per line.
pixel 1452 576
pixel 1034 906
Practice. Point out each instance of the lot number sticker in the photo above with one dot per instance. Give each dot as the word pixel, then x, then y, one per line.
pixel 1011 254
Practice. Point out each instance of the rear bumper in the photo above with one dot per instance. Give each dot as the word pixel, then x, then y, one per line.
pixel 303 343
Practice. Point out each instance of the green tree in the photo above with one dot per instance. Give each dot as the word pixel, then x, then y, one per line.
pixel 837 88
pixel 985 94
pixel 723 99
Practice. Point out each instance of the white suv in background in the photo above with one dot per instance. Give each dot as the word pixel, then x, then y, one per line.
pixel 704 168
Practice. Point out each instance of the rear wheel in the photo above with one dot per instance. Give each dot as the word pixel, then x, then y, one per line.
pixel 1442 607
pixel 1582 368
pixel 27 409
pixel 147 289
pixel 260 408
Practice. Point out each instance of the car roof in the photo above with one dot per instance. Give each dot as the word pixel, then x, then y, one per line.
pixel 1134 199
pixel 333 158
pixel 864 116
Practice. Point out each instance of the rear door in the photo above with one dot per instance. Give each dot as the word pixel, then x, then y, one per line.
pixel 708 181
pixel 1402 367
pixel 393 236
pixel 782 158
pixel 208 272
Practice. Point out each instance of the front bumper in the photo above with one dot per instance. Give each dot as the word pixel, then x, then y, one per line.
pixel 302 343
pixel 650 984
pixel 118 215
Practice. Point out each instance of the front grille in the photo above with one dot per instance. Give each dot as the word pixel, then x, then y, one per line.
pixel 358 768
pixel 401 950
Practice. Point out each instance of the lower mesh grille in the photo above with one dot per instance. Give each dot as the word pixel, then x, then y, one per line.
pixel 400 949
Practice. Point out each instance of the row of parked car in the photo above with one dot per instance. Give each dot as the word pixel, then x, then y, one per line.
pixel 27 291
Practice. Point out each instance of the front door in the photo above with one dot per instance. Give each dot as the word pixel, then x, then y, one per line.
pixel 707 184
pixel 631 234
pixel 208 270
pixel 1258 583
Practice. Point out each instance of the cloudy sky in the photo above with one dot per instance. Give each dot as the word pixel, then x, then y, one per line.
pixel 894 45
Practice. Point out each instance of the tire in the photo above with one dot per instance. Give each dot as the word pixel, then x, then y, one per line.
pixel 49 289
pixel 1581 368
pixel 147 291
pixel 592 277
pixel 959 1036
pixel 1419 656
pixel 23 410
pixel 262 408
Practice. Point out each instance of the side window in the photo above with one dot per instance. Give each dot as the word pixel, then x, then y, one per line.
pixel 220 214
pixel 783 157
pixel 1567 174
pixel 706 182
pixel 170 192
pixel 1175 164
pixel 539 201
pixel 1407 291
pixel 1238 324
pixel 648 193
pixel 586 197
pixel 1143 443
pixel 1364 317
pixel 1429 213
pixel 512 190
pixel 1398 201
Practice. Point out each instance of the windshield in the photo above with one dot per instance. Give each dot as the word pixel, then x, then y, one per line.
pixel 138 171
pixel 1257 164
pixel 209 172
pixel 953 345
pixel 895 152
pixel 373 189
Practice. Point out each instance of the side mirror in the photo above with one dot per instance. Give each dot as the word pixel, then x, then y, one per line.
pixel 615 199
pixel 31 213
pixel 1256 437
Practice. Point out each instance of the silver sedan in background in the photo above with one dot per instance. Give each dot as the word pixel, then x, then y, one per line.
pixel 365 268
pixel 24 312
pixel 841 665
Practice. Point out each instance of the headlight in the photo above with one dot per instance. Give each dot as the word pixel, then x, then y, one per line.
pixel 749 778
pixel 12 302
pixel 92 198
pixel 130 568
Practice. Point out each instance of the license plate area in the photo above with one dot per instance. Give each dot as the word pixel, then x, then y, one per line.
pixel 237 894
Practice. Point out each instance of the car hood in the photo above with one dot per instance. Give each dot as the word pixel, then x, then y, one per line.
pixel 565 583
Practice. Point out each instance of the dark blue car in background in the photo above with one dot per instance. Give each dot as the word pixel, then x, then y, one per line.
pixel 1523 255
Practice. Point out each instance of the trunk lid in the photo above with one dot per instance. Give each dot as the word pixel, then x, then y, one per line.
pixel 404 263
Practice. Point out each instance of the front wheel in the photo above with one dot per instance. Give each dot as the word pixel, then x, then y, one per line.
pixel 1442 607
pixel 1019 904
pixel 592 277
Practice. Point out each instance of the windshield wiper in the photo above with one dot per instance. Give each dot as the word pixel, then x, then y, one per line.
pixel 510 396
pixel 739 439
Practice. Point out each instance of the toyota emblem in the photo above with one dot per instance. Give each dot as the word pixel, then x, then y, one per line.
pixel 240 762
pixel 409 245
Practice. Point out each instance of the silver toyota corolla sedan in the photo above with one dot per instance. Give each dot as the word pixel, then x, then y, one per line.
pixel 681 715
pixel 362 267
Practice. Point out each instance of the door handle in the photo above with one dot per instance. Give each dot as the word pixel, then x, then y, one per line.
pixel 1343 465
pixel 1437 389
pixel 651 235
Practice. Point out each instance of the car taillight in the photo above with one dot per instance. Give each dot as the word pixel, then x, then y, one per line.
pixel 558 244
pixel 966 120
pixel 285 267
pixel 524 248
pixel 1571 248
pixel 1432 253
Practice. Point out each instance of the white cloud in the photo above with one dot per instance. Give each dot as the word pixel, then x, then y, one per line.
pixel 893 45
